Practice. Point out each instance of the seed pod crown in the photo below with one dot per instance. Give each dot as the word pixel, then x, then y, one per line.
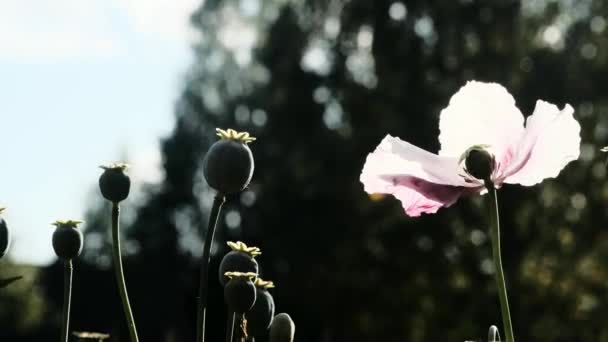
pixel 67 239
pixel 241 258
pixel 114 183
pixel 228 165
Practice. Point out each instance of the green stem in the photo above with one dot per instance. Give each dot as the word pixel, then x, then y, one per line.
pixel 500 277
pixel 201 308
pixel 120 276
pixel 230 326
pixel 67 298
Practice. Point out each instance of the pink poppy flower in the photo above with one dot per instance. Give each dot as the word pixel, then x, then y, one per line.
pixel 478 114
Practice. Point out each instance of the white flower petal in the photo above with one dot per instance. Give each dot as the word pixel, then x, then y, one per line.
pixel 422 181
pixel 551 140
pixel 480 113
pixel 396 158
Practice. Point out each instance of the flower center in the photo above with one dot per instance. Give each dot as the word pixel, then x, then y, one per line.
pixel 479 162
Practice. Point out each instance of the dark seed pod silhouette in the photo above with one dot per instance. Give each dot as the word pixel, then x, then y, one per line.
pixel 239 292
pixel 67 239
pixel 114 183
pixel 261 314
pixel 5 236
pixel 228 165
pixel 282 328
pixel 478 162
pixel 240 259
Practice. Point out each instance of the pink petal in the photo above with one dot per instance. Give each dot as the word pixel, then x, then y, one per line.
pixel 551 141
pixel 421 180
pixel 480 113
pixel 418 196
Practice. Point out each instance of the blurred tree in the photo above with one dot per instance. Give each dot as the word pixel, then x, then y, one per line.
pixel 320 83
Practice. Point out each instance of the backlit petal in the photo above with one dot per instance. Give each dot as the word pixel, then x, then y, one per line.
pixel 551 140
pixel 421 180
pixel 480 114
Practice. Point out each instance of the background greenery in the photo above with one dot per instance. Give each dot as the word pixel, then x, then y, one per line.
pixel 324 83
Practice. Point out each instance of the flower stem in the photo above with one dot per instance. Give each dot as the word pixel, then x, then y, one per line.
pixel 201 308
pixel 500 277
pixel 230 326
pixel 120 276
pixel 67 298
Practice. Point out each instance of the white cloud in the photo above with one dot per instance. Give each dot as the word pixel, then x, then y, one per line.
pixel 60 30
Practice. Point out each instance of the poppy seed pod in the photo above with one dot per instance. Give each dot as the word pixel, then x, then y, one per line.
pixel 114 183
pixel 239 292
pixel 240 259
pixel 5 236
pixel 67 239
pixel 282 328
pixel 228 165
pixel 478 162
pixel 261 314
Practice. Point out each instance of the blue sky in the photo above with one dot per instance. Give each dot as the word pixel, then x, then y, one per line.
pixel 82 83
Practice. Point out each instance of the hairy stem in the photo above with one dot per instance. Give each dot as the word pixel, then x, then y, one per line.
pixel 500 277
pixel 120 275
pixel 67 298
pixel 201 308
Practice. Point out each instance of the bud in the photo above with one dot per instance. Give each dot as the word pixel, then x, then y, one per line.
pixel 114 183
pixel 282 328
pixel 261 314
pixel 239 292
pixel 478 162
pixel 5 236
pixel 67 239
pixel 228 165
pixel 240 259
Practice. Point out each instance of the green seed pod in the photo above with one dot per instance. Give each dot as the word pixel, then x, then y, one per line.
pixel 239 292
pixel 282 328
pixel 228 165
pixel 5 236
pixel 478 162
pixel 240 259
pixel 114 183
pixel 67 239
pixel 261 314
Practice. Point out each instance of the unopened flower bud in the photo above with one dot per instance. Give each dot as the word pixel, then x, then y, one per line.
pixel 479 163
pixel 67 239
pixel 239 292
pixel 261 314
pixel 228 165
pixel 114 183
pixel 239 259
pixel 282 328
pixel 5 236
